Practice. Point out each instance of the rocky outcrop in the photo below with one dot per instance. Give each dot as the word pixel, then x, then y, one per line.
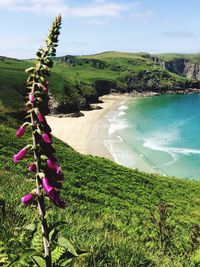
pixel 53 104
pixel 157 81
pixel 180 66
pixel 192 71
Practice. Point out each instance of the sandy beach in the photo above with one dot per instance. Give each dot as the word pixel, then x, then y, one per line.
pixel 80 132
pixel 86 134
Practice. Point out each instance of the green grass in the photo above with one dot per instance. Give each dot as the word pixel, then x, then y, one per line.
pixel 193 58
pixel 112 211
pixel 74 79
pixel 117 54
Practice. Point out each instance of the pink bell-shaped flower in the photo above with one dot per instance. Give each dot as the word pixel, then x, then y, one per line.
pixel 46 138
pixel 32 167
pixel 51 164
pixel 46 185
pixel 31 98
pixel 40 117
pixel 20 155
pixel 20 131
pixel 28 199
pixel 55 197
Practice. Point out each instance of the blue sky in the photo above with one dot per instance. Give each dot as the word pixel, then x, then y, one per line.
pixel 92 26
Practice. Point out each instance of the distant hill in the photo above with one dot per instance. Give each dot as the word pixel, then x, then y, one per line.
pixel 78 81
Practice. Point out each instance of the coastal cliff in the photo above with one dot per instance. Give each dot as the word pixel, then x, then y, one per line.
pixel 79 81
pixel 181 66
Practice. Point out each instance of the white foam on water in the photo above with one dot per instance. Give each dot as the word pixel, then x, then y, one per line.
pixel 119 154
pixel 121 113
pixel 109 145
pixel 123 107
pixel 161 141
pixel 117 123
pixel 120 138
pixel 117 126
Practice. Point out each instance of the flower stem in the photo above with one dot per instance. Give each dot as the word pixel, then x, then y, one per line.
pixel 40 202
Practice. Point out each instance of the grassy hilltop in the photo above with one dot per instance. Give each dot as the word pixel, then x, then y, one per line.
pixel 78 81
pixel 193 58
pixel 122 217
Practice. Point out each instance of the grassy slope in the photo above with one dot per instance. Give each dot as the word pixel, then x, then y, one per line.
pixel 193 58
pixel 112 211
pixel 75 83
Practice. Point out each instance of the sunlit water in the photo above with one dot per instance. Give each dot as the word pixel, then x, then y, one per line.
pixel 164 131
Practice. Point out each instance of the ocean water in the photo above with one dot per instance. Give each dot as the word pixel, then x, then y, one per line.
pixel 159 133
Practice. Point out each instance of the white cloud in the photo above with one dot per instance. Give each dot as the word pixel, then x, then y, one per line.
pixel 101 9
pixel 98 8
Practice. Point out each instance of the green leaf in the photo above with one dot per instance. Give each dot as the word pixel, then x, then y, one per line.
pixel 65 262
pixel 56 224
pixel 28 253
pixel 41 174
pixel 39 261
pixel 58 253
pixel 30 70
pixel 63 242
pixel 43 157
pixel 28 116
pixel 38 54
pixel 30 227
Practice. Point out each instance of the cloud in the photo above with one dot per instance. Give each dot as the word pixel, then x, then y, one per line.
pixel 98 8
pixel 101 9
pixel 50 7
pixel 178 34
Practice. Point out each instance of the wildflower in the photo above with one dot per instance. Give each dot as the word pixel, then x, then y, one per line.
pixel 31 98
pixel 28 199
pixel 20 131
pixel 44 88
pixel 57 168
pixel 46 185
pixel 59 176
pixel 40 117
pixel 51 164
pixel 46 138
pixel 55 197
pixel 32 167
pixel 20 155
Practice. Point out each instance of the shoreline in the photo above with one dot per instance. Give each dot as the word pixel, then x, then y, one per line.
pixel 87 134
pixel 76 131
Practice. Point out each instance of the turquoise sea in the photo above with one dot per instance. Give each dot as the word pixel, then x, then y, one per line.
pixel 161 133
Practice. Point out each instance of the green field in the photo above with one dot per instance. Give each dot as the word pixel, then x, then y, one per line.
pixel 121 217
pixel 78 81
pixel 112 211
pixel 193 58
